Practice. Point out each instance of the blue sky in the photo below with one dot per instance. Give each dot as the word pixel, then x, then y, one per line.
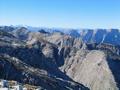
pixel 61 13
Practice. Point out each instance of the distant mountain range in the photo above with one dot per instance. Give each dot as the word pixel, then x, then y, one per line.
pixel 111 36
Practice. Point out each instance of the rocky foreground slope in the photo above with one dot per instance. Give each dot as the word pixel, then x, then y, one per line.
pixel 58 61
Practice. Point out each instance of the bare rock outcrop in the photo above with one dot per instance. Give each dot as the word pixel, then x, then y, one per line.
pixel 95 73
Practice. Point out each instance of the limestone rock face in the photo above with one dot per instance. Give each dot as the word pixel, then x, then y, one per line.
pixel 95 73
pixel 92 68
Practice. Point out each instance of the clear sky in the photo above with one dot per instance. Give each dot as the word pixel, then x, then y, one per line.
pixel 61 13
